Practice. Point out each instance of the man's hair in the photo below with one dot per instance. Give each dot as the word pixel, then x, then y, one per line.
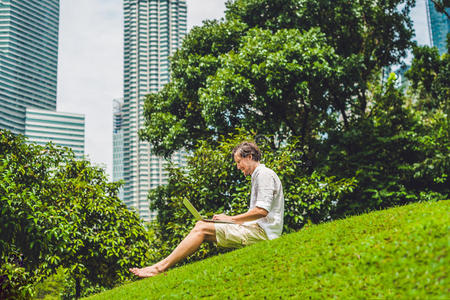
pixel 247 148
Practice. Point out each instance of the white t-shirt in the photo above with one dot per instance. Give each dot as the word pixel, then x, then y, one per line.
pixel 267 193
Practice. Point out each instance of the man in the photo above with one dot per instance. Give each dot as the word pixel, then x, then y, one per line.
pixel 263 221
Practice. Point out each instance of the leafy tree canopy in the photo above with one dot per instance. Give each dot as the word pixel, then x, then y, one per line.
pixel 276 66
pixel 398 154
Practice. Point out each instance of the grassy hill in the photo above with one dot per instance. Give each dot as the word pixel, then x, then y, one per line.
pixel 400 253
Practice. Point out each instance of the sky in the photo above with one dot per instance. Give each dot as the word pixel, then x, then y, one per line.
pixel 90 62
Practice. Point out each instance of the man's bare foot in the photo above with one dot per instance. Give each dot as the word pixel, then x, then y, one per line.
pixel 147 271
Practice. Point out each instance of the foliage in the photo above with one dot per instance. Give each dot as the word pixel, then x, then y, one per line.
pixel 58 211
pixel 430 78
pixel 51 287
pixel 379 31
pixel 213 184
pixel 276 67
pixel 397 155
pixel 400 253
pixel 274 83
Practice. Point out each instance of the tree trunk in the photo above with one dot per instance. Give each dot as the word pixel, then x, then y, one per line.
pixel 77 288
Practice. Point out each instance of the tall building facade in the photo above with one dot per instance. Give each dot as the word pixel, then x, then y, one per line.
pixel 62 129
pixel 438 27
pixel 28 59
pixel 29 32
pixel 153 30
pixel 118 142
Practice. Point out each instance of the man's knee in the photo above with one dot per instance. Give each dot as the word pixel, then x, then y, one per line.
pixel 206 229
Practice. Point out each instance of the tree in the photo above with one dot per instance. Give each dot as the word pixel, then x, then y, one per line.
pixel 362 36
pixel 106 237
pixel 430 78
pixel 59 211
pixel 380 31
pixel 397 155
pixel 278 84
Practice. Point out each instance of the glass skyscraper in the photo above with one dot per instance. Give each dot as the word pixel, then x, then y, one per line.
pixel 153 30
pixel 28 72
pixel 438 27
pixel 118 142
pixel 62 129
pixel 28 59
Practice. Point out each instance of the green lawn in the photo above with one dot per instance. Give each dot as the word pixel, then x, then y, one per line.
pixel 400 253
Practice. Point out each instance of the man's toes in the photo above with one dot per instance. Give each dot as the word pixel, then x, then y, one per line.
pixel 134 271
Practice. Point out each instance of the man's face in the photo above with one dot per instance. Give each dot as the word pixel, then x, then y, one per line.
pixel 245 164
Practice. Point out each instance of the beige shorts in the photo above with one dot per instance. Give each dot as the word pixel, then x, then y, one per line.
pixel 237 236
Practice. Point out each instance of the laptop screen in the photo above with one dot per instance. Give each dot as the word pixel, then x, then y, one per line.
pixel 192 209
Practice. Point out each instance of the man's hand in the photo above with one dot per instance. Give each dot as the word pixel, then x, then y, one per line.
pixel 254 214
pixel 223 217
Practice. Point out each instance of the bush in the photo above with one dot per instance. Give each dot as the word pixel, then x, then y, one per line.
pixel 60 212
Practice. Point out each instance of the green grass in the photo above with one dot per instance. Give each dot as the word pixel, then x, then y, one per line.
pixel 400 253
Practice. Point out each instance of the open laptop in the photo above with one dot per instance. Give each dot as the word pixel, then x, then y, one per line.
pixel 197 215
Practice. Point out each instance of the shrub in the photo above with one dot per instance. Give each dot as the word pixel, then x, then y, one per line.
pixel 57 211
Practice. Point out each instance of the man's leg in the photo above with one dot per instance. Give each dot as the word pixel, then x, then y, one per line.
pixel 203 231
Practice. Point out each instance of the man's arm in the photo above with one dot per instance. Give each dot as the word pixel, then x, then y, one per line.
pixel 253 214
